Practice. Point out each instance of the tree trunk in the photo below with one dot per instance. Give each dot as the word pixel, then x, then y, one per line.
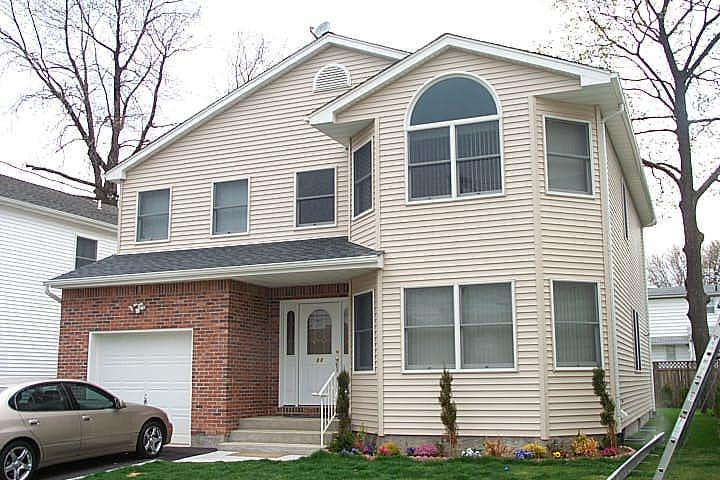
pixel 696 298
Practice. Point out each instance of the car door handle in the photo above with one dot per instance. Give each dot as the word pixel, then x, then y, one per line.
pixel 33 421
pixel 86 418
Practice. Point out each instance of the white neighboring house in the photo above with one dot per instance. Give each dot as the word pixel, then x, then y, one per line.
pixel 43 233
pixel 670 336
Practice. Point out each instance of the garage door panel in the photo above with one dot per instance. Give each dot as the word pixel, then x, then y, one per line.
pixel 154 366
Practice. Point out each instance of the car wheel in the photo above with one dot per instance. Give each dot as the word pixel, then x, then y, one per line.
pixel 150 439
pixel 18 461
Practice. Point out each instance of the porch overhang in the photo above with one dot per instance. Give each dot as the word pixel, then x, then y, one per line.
pixel 276 264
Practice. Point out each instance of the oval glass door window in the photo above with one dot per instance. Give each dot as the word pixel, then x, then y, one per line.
pixel 319 333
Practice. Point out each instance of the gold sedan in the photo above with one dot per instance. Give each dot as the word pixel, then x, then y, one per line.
pixel 54 421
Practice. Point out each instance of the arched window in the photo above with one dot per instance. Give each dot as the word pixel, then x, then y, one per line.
pixel 453 141
pixel 330 77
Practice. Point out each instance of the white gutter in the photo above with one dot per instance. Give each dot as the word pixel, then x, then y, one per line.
pixel 57 213
pixel 369 261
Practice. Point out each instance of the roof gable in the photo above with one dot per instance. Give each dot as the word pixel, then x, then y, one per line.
pixel 221 105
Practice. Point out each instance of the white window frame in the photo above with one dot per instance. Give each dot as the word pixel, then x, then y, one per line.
pixel 548 190
pixel 637 344
pixel 371 291
pixel 137 218
pixel 348 77
pixel 601 326
pixel 86 237
pixel 626 218
pixel 371 141
pixel 295 199
pixel 454 196
pixel 212 207
pixel 456 328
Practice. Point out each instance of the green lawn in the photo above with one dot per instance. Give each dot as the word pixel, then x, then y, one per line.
pixel 698 459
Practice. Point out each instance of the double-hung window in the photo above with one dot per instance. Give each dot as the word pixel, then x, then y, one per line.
pixel 567 148
pixel 636 340
pixel 230 207
pixel 477 334
pixel 85 251
pixel 453 141
pixel 362 179
pixel 153 217
pixel 576 324
pixel 363 332
pixel 315 197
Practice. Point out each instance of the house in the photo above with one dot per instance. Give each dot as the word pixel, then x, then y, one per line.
pixel 43 233
pixel 467 206
pixel 670 335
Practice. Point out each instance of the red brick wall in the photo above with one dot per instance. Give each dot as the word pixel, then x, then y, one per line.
pixel 235 338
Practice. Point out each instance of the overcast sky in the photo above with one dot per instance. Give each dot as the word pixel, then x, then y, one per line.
pixel 29 136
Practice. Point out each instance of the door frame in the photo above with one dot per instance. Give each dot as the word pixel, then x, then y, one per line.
pixel 294 305
pixel 91 351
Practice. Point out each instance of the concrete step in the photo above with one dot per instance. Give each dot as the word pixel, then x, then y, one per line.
pixel 277 436
pixel 252 449
pixel 281 423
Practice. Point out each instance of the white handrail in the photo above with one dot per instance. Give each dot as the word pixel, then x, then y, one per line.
pixel 328 399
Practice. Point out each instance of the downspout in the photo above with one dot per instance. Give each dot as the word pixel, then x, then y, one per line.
pixel 50 294
pixel 619 412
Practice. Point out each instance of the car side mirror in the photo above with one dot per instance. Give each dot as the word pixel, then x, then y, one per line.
pixel 119 404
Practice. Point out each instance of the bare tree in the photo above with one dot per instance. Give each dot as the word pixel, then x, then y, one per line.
pixel 667 52
pixel 250 55
pixel 667 269
pixel 103 64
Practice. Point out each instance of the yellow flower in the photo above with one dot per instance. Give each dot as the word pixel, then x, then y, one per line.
pixel 557 454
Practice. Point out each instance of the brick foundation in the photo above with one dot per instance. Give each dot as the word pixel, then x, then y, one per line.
pixel 235 339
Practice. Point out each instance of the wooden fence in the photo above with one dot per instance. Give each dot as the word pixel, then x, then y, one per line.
pixel 672 381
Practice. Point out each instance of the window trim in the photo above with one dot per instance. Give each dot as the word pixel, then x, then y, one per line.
pixel 137 218
pixel 371 141
pixel 97 248
pixel 371 291
pixel 456 327
pixel 295 199
pixel 212 207
pixel 601 325
pixel 548 190
pixel 637 344
pixel 451 124
pixel 626 218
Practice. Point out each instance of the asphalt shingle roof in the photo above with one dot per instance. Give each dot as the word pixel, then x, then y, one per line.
pixel 27 192
pixel 216 257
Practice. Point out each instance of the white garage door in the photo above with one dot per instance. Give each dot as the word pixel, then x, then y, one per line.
pixel 155 365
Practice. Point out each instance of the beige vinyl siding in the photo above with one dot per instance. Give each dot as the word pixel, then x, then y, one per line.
pixel 364 385
pixel 463 241
pixel 264 138
pixel 628 266
pixel 363 229
pixel 572 249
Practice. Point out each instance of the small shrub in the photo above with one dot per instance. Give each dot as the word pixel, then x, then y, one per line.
pixel 584 446
pixel 496 448
pixel 607 416
pixel 388 449
pixel 426 450
pixel 342 441
pixel 448 414
pixel 537 449
pixel 609 452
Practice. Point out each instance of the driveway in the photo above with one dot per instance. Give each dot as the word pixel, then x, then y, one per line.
pixel 82 468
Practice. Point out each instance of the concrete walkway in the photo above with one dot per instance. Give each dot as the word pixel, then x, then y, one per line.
pixel 225 456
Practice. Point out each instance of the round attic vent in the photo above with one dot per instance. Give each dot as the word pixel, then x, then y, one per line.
pixel 331 77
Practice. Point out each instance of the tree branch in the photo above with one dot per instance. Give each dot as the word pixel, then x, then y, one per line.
pixel 61 174
pixel 712 178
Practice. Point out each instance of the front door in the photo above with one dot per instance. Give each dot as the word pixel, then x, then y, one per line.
pixel 319 347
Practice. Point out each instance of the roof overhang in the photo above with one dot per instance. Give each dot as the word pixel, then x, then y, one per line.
pixel 51 212
pixel 311 272
pixel 330 39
